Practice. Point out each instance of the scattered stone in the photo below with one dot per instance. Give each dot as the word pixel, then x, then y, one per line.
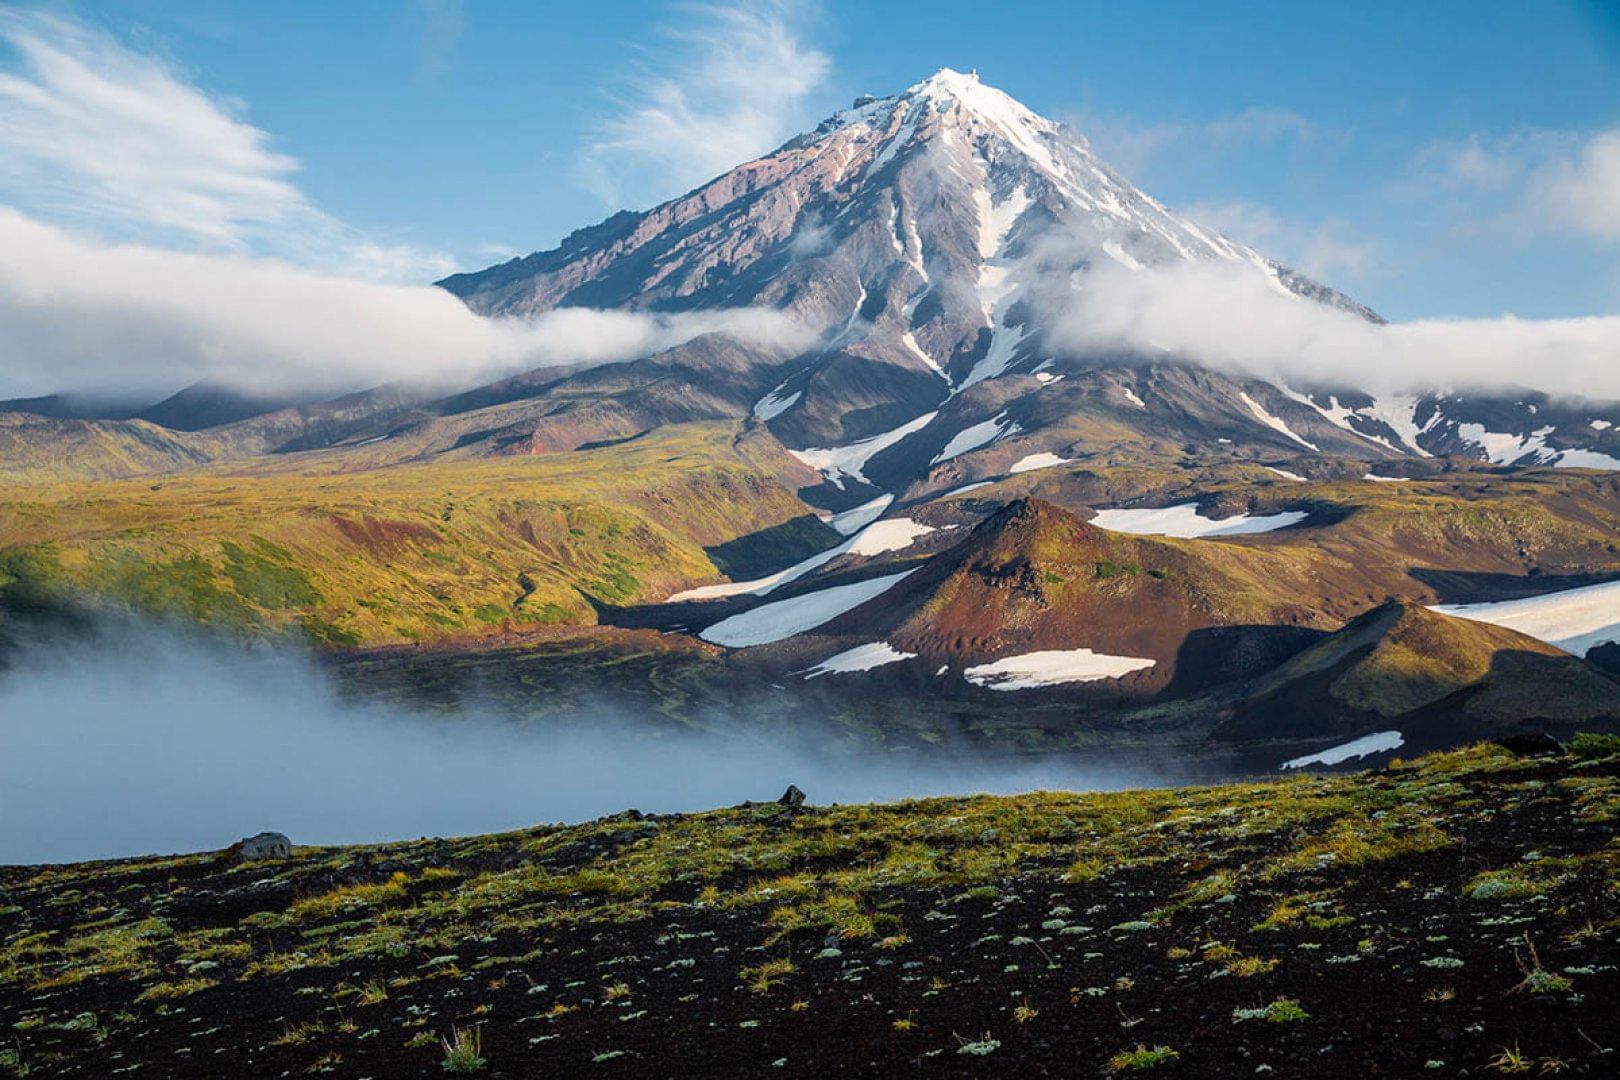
pixel 792 796
pixel 264 846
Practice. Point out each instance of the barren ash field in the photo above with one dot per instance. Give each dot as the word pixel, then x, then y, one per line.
pixel 1456 915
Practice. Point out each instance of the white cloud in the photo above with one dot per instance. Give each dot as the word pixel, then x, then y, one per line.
pixel 92 132
pixel 735 85
pixel 1234 317
pixel 1580 193
pixel 78 315
pixel 1529 184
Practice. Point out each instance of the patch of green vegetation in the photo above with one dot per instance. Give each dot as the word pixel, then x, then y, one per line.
pixel 1591 746
pixel 187 587
pixel 1107 568
pixel 1281 1011
pixel 375 559
pixel 1510 884
pixel 267 581
pixel 1143 1057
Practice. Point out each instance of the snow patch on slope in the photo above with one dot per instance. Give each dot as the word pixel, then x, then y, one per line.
pixel 1184 521
pixel 1275 423
pixel 1052 667
pixel 1377 743
pixel 1586 459
pixel 837 463
pixel 774 404
pixel 1037 461
pixel 878 538
pixel 1506 449
pixel 1575 620
pixel 860 658
pixel 785 618
pixel 975 436
pixel 854 520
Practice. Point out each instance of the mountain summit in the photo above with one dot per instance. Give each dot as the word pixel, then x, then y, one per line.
pixel 935 237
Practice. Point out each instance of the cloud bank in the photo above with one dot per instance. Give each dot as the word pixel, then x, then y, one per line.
pixel 1235 317
pixel 158 742
pixel 80 316
pixel 733 85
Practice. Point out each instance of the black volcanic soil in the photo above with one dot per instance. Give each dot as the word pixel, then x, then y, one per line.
pixel 970 946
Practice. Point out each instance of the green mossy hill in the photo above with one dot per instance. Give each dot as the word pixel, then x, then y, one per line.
pixel 410 553
pixel 1401 656
pixel 1427 674
pixel 1470 900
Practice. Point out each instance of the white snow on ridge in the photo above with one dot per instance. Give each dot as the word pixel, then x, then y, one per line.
pixel 1037 461
pixel 1505 449
pixel 1376 743
pixel 854 520
pixel 785 618
pixel 1601 425
pixel 975 436
pixel 1275 423
pixel 1052 667
pixel 965 488
pixel 1285 474
pixel 860 658
pixel 1575 620
pixel 1375 478
pixel 1131 396
pixel 1184 521
pixel 838 462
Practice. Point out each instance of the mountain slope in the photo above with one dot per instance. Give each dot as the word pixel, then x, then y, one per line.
pixel 1435 677
pixel 936 236
pixel 414 553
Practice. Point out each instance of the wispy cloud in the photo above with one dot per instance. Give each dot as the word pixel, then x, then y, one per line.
pixel 1526 185
pixel 722 90
pixel 441 24
pixel 1234 317
pixel 1135 147
pixel 1580 193
pixel 79 315
pixel 95 133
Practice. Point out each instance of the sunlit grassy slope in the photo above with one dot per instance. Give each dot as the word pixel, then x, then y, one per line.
pixel 411 553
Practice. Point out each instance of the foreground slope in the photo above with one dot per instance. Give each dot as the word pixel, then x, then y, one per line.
pixel 1443 917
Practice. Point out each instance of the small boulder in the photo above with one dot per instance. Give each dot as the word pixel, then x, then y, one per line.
pixel 792 797
pixel 264 846
pixel 1531 744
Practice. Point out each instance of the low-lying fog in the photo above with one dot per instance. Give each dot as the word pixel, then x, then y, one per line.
pixel 150 741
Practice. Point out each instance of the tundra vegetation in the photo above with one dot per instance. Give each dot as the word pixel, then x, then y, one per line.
pixel 1462 908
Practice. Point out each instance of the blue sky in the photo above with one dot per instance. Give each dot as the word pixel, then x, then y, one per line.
pixel 1432 159
pixel 1319 130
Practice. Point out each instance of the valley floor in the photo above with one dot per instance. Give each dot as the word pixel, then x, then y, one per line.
pixel 1456 915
